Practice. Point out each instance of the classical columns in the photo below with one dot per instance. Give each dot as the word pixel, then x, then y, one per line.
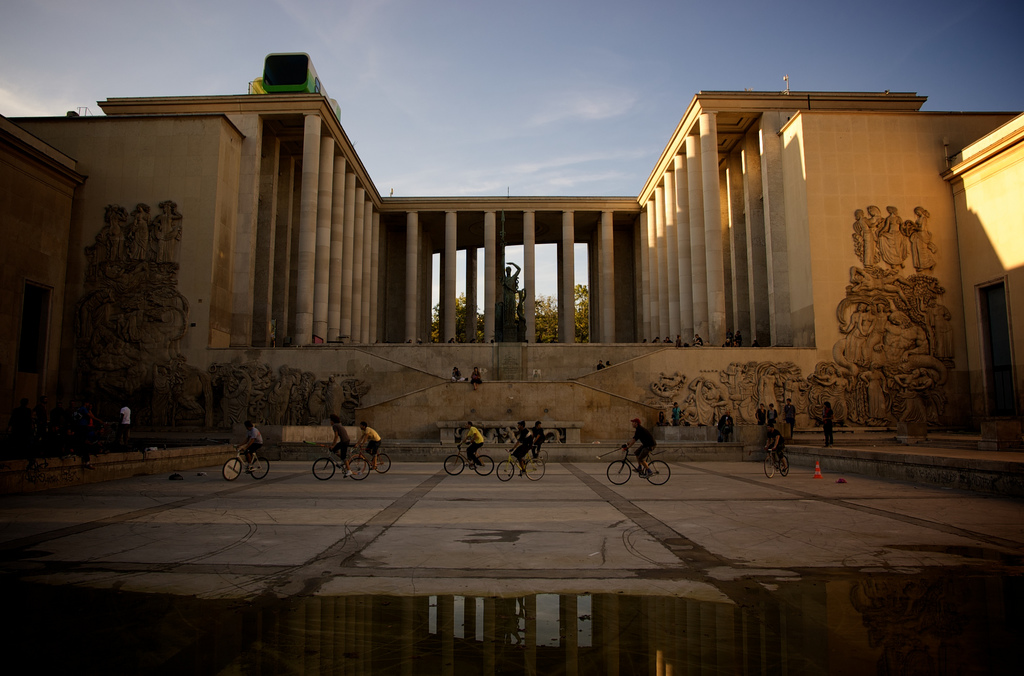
pixel 644 292
pixel 672 250
pixel 307 231
pixel 567 297
pixel 374 278
pixel 490 266
pixel 685 271
pixel 412 230
pixel 698 255
pixel 530 273
pixel 738 248
pixel 283 250
pixel 263 273
pixel 471 299
pixel 712 228
pixel 364 296
pixel 322 266
pixel 359 232
pixel 607 278
pixel 337 248
pixel 450 254
pixel 655 259
pixel 775 228
pixel 348 257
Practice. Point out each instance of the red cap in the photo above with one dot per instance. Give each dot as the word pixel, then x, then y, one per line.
pixel 636 420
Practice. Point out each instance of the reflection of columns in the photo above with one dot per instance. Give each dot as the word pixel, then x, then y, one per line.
pixel 644 317
pixel 530 273
pixel 569 619
pixel 450 254
pixel 672 248
pixel 567 297
pixel 490 262
pixel 374 278
pixel 307 232
pixel 324 206
pixel 358 233
pixel 775 228
pixel 283 249
pixel 471 300
pixel 348 256
pixel 364 298
pixel 760 325
pixel 654 261
pixel 607 278
pixel 685 272
pixel 713 228
pixel 698 257
pixel 337 248
pixel 738 230
pixel 412 230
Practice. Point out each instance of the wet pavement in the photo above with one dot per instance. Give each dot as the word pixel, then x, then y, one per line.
pixel 720 570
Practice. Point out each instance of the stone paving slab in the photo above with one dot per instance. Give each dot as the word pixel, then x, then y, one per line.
pixel 418 530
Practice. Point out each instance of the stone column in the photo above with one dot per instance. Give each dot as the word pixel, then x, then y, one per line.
pixel 607 278
pixel 307 232
pixel 243 253
pixel 263 289
pixel 644 275
pixel 412 238
pixel 738 232
pixel 567 299
pixel 672 254
pixel 654 261
pixel 712 228
pixel 490 259
pixel 364 298
pixel 324 207
pixel 375 280
pixel 757 265
pixel 283 250
pixel 471 296
pixel 337 248
pixel 685 271
pixel 698 256
pixel 530 273
pixel 777 251
pixel 663 281
pixel 348 256
pixel 451 248
pixel 358 233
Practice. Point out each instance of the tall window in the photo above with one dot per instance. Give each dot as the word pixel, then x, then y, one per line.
pixel 35 315
pixel 996 343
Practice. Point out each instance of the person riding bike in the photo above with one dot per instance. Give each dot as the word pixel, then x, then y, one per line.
pixel 524 442
pixel 476 440
pixel 647 444
pixel 371 440
pixel 775 442
pixel 253 443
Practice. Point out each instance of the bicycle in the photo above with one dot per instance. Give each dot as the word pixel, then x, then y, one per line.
pixel 775 461
pixel 379 462
pixel 455 463
pixel 619 471
pixel 324 468
pixel 534 467
pixel 258 468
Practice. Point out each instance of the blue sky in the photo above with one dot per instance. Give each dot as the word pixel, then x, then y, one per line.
pixel 449 98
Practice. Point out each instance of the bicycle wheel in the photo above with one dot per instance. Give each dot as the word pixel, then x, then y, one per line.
pixel 383 463
pixel 359 468
pixel 323 468
pixel 486 465
pixel 535 469
pixel 260 467
pixel 783 465
pixel 454 464
pixel 659 473
pixel 542 455
pixel 232 468
pixel 769 465
pixel 618 472
pixel 506 470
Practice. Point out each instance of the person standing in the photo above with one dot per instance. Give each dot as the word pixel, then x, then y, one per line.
pixel 85 434
pixel 677 414
pixel 826 424
pixel 789 415
pixel 761 414
pixel 772 416
pixel 645 439
pixel 124 429
pixel 341 441
pixel 725 427
pixel 476 440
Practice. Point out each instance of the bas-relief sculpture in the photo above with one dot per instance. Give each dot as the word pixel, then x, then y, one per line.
pixel 129 325
pixel 890 363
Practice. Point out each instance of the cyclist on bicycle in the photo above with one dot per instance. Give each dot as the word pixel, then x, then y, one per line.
pixel 524 442
pixel 476 440
pixel 538 438
pixel 371 440
pixel 647 444
pixel 774 443
pixel 341 441
pixel 253 443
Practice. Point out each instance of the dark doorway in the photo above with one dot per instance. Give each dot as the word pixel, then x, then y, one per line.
pixel 996 342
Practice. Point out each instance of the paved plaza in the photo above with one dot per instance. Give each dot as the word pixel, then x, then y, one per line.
pixel 417 530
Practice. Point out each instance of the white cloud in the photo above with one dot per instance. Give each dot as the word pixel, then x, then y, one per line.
pixel 20 104
pixel 569 106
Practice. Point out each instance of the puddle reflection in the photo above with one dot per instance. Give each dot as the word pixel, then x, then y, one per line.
pixel 879 625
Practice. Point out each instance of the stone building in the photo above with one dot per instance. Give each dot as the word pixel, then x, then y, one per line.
pixel 229 257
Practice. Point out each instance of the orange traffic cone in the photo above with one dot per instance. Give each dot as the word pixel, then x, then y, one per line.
pixel 817 470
